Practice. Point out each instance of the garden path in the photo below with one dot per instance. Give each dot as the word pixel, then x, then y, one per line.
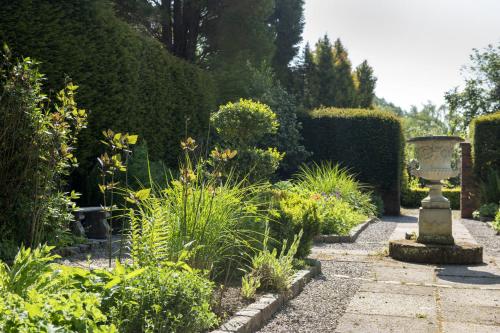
pixel 363 290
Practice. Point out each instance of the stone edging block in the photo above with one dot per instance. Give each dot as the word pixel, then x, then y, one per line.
pixel 351 238
pixel 255 315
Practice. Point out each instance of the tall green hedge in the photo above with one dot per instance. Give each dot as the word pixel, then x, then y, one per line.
pixel 127 80
pixel 368 142
pixel 485 133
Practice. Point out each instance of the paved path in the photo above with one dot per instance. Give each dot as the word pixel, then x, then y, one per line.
pixel 385 295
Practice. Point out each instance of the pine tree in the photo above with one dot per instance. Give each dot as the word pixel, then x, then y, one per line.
pixel 326 72
pixel 365 92
pixel 288 23
pixel 309 86
pixel 344 93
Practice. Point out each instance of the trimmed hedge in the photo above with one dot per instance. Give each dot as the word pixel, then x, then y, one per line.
pixel 485 134
pixel 412 197
pixel 369 143
pixel 127 80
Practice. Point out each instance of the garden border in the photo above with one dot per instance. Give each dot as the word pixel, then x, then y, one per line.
pixel 351 238
pixel 254 316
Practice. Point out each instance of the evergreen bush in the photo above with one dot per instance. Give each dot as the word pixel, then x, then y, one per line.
pixel 485 134
pixel 369 143
pixel 127 80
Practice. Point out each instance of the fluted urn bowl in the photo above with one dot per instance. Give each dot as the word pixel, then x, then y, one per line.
pixel 434 155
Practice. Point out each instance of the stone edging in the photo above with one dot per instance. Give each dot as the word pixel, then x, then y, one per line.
pixel 80 248
pixel 353 234
pixel 254 316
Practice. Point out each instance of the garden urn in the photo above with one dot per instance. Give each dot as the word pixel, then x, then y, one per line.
pixel 434 154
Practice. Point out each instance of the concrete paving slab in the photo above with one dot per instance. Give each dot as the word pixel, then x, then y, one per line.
pixel 396 288
pixel 411 274
pixel 362 323
pixel 476 314
pixel 470 297
pixel 387 304
pixel 454 327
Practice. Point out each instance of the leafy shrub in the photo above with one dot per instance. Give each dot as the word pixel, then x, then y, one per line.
pixel 273 271
pixel 36 154
pixel 368 142
pixel 496 222
pixel 490 186
pixel 162 299
pixel 487 210
pixel 485 133
pixel 38 296
pixel 291 213
pixel 128 80
pixel 332 180
pixel 378 203
pixel 339 217
pixel 241 126
pixel 411 197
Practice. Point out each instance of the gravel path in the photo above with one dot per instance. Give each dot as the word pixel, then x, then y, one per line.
pixel 373 238
pixel 324 300
pixel 484 235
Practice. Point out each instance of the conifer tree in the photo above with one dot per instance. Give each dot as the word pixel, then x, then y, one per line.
pixel 326 72
pixel 365 92
pixel 288 23
pixel 343 82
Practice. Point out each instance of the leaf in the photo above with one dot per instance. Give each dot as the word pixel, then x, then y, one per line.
pixel 134 273
pixel 142 194
pixel 102 188
pixel 119 269
pixel 132 139
pixel 112 283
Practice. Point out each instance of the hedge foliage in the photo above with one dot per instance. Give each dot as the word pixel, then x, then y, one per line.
pixel 127 80
pixel 412 197
pixel 485 133
pixel 369 143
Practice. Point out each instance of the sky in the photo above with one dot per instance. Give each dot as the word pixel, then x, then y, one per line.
pixel 416 47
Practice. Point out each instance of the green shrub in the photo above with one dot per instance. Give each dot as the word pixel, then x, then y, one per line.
pixel 486 210
pixel 333 181
pixel 272 271
pixel 163 299
pixel 127 79
pixel 241 126
pixel 339 217
pixel 39 296
pixel 291 213
pixel 413 196
pixel 490 186
pixel 496 222
pixel 485 134
pixel 368 142
pixel 36 154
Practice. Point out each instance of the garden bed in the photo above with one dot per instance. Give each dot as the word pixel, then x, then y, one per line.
pixel 254 316
pixel 350 238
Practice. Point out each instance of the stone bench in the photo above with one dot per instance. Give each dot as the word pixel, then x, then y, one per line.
pixel 91 222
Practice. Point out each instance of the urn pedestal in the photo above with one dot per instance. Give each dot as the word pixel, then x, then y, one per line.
pixel 435 243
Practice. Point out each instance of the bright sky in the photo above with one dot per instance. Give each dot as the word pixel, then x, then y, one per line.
pixel 416 47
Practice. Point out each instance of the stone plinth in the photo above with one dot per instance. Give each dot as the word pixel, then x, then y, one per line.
pixel 460 253
pixel 434 226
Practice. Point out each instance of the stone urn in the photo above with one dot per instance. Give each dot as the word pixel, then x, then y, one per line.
pixel 434 155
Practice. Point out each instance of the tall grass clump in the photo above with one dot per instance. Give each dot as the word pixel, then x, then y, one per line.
pixel 333 180
pixel 202 217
